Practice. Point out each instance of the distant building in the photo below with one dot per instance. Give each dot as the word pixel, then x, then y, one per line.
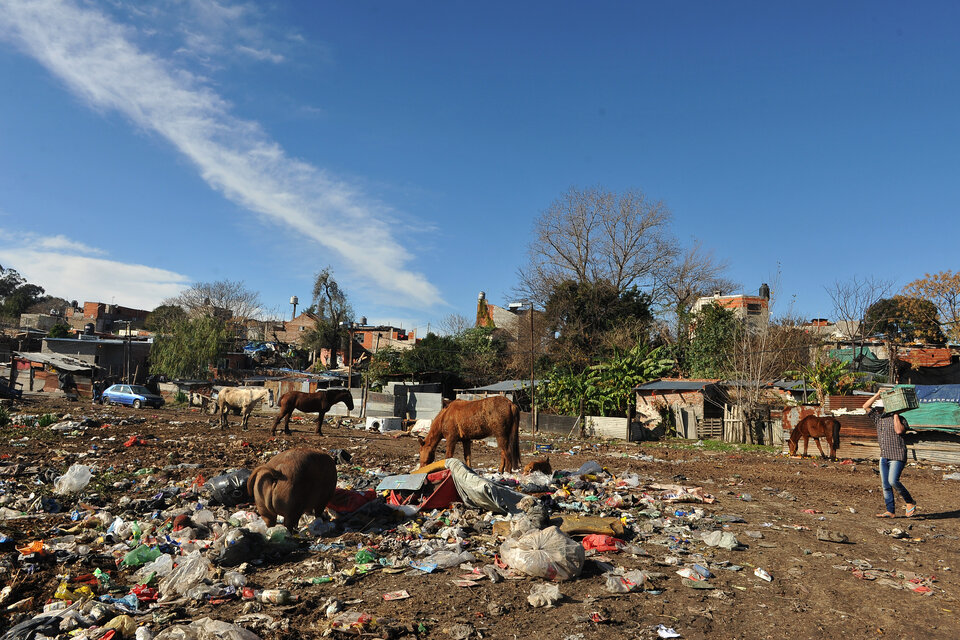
pixel 105 318
pixel 41 321
pixel 509 321
pixel 754 310
pixel 111 356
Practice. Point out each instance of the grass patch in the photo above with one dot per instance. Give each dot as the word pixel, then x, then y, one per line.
pixel 716 445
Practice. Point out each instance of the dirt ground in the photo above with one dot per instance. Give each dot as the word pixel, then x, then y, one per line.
pixel 858 589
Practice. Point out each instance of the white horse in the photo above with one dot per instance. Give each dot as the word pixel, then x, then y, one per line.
pixel 245 399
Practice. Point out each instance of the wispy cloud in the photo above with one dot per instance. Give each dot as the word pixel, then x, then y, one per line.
pixel 63 243
pixel 98 61
pixel 53 263
pixel 260 54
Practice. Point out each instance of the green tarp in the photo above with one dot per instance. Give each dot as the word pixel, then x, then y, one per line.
pixel 868 361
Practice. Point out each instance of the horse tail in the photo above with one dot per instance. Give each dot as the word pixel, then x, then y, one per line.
pixel 836 434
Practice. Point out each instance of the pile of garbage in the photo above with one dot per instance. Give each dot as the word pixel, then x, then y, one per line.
pixel 148 563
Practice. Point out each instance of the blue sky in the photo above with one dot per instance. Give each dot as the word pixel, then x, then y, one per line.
pixel 410 146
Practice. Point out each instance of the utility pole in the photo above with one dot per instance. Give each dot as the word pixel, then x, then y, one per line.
pixel 533 382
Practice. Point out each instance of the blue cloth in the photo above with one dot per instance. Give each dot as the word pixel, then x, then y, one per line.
pixel 890 471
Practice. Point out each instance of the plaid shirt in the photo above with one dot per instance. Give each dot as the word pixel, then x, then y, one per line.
pixel 892 445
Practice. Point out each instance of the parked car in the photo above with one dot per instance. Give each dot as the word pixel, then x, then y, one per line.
pixel 131 394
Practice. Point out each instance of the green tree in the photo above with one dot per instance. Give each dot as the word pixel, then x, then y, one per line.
pixel 904 319
pixel 433 354
pixel 829 377
pixel 482 355
pixel 592 317
pixel 59 330
pixel 163 318
pixel 707 355
pixel 16 294
pixel 606 388
pixel 190 348
pixel 943 291
pixel 332 309
pixel 385 362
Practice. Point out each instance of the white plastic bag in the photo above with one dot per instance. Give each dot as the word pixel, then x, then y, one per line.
pixel 162 566
pixel 549 554
pixel 187 574
pixel 75 479
pixel 544 595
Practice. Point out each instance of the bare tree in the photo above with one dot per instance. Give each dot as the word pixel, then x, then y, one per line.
pixel 851 299
pixel 696 272
pixel 454 324
pixel 215 298
pixel 594 235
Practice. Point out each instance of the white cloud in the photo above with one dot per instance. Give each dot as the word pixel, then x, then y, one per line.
pixel 62 243
pixel 97 60
pixel 48 262
pixel 260 54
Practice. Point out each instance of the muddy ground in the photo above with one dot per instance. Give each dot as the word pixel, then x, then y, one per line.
pixel 857 589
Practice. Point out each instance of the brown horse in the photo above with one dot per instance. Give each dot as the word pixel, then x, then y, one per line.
pixel 816 427
pixel 319 402
pixel 466 420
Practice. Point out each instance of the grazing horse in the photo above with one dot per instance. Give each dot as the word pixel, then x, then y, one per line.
pixel 244 399
pixel 319 402
pixel 466 420
pixel 816 427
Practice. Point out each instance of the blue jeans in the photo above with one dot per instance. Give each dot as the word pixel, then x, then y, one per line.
pixel 890 471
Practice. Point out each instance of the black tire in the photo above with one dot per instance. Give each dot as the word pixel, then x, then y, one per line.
pixel 137 404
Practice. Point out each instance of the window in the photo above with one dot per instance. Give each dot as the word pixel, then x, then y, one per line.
pixel 753 309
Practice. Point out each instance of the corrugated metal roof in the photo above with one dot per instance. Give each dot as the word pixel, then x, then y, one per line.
pixel 675 385
pixel 506 385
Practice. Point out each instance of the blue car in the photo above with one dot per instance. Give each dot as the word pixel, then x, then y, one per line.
pixel 132 395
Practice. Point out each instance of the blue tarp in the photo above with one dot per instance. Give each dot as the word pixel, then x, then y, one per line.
pixel 938 392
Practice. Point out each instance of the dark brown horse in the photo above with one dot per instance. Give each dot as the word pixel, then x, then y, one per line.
pixel 816 427
pixel 318 402
pixel 466 420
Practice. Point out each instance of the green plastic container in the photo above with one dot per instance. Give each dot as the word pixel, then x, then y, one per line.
pixel 899 399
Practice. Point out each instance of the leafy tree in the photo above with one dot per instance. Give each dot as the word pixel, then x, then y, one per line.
pixel 163 318
pixel 59 330
pixel 707 353
pixel 49 304
pixel 332 309
pixel 385 362
pixel 190 347
pixel 433 354
pixel 482 355
pixel 943 291
pixel 904 319
pixel 588 314
pixel 16 294
pixel 829 377
pixel 606 388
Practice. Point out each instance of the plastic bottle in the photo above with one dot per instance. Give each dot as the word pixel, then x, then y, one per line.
pixel 235 579
pixel 276 596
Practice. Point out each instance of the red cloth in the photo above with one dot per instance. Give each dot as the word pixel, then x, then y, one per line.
pixel 348 501
pixel 602 542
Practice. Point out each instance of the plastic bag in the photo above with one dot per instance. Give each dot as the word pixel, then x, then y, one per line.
pixel 589 468
pixel 206 629
pixel 547 554
pixel 162 567
pixel 544 595
pixel 723 539
pixel 187 574
pixel 448 559
pixel 75 479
